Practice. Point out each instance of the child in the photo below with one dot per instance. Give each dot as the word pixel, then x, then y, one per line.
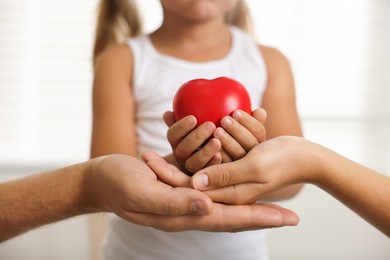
pixel 135 83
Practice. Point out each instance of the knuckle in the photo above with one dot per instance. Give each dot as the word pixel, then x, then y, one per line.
pixel 170 136
pixel 199 135
pixel 220 215
pixel 226 157
pixel 252 144
pixel 173 207
pixel 182 126
pixel 180 152
pixel 207 153
pixel 260 134
pixel 224 177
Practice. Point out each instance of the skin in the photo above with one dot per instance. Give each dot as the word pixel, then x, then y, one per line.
pixel 127 187
pixel 240 132
pixel 193 31
pixel 202 39
pixel 229 142
pixel 287 160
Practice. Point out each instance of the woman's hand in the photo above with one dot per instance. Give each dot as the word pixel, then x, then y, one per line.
pixel 268 167
pixel 220 217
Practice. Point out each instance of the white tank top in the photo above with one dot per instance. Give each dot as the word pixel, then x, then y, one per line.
pixel 156 78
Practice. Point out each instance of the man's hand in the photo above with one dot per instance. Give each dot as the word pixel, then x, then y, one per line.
pixel 220 218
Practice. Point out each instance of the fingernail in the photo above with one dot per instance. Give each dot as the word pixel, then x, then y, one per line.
pixel 201 181
pixel 192 120
pixel 219 132
pixel 237 114
pixel 199 207
pixel 209 127
pixel 226 121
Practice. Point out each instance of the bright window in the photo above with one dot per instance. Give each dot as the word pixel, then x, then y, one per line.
pixel 45 81
pixel 340 57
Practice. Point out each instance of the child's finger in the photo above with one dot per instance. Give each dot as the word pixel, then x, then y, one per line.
pixel 169 118
pixel 193 140
pixel 260 114
pixel 225 156
pixel 230 145
pixel 202 157
pixel 253 123
pixel 180 129
pixel 217 159
pixel 241 133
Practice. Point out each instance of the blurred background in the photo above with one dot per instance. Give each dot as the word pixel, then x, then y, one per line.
pixel 340 55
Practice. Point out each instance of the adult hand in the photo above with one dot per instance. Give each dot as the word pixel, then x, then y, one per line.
pixel 220 218
pixel 129 188
pixel 268 167
pixel 126 186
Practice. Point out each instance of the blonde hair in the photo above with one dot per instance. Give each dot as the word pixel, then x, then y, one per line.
pixel 118 20
pixel 240 17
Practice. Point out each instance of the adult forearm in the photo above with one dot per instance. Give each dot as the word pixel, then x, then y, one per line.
pixel 40 199
pixel 363 190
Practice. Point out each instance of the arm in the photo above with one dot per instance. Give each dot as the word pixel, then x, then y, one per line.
pixel 361 189
pixel 113 104
pixel 127 187
pixel 280 103
pixel 40 199
pixel 284 161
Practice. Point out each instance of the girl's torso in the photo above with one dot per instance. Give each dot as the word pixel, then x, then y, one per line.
pixel 156 77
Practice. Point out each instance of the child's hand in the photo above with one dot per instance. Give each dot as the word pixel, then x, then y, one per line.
pixel 193 148
pixel 240 133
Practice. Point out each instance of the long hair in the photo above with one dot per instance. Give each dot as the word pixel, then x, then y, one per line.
pixel 240 17
pixel 118 20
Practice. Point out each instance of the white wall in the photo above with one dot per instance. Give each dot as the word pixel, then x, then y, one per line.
pixel 327 230
pixel 65 240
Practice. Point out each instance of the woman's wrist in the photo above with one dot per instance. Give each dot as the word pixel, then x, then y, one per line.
pixel 320 159
pixel 307 160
